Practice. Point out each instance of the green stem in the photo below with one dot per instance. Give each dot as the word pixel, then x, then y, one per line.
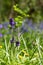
pixel 6 49
pixel 38 46
pixel 24 43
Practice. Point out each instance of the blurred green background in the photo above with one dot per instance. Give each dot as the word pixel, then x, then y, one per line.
pixel 33 8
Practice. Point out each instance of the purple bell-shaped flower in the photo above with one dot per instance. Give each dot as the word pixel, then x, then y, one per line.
pixel 11 22
pixel 17 43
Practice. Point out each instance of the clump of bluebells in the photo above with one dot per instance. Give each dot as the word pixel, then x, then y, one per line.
pixel 24 28
pixel 28 25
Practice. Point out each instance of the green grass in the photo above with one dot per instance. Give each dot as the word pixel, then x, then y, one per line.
pixel 30 44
